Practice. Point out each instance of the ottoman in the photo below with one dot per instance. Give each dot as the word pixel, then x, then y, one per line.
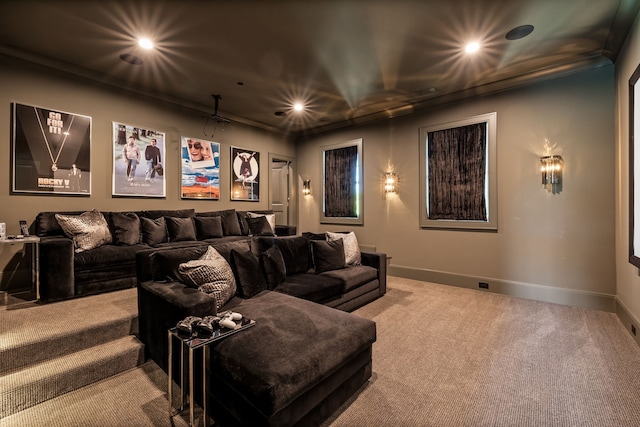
pixel 296 366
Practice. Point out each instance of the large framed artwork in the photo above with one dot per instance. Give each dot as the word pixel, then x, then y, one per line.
pixel 50 151
pixel 200 165
pixel 634 168
pixel 342 173
pixel 458 178
pixel 138 161
pixel 245 168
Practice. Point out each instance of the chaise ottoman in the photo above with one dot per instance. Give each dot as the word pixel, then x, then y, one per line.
pixel 296 366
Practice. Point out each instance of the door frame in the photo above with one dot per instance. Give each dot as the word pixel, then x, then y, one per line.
pixel 293 185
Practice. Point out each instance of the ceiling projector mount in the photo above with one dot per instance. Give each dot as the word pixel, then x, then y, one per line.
pixel 216 118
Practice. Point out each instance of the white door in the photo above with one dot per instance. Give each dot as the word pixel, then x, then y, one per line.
pixel 280 190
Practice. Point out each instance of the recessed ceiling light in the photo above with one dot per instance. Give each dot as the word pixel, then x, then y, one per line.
pixel 145 43
pixel 519 32
pixel 131 59
pixel 298 106
pixel 472 47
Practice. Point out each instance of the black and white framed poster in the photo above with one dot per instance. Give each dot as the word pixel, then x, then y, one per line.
pixel 138 161
pixel 245 167
pixel 50 151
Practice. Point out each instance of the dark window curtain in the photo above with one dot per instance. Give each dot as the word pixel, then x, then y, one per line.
pixel 457 170
pixel 340 166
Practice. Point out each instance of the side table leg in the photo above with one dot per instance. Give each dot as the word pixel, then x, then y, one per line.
pixel 204 385
pixel 170 372
pixel 35 268
pixel 191 397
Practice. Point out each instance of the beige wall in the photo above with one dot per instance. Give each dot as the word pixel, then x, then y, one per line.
pixel 44 88
pixel 628 282
pixel 545 242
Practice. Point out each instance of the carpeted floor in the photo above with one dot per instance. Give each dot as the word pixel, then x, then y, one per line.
pixel 445 356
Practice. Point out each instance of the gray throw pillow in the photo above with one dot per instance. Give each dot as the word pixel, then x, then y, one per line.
pixel 211 274
pixel 328 255
pixel 88 230
pixel 274 267
pixel 351 248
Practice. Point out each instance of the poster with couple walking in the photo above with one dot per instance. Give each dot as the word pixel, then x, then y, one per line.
pixel 138 161
pixel 245 167
pixel 200 169
pixel 50 151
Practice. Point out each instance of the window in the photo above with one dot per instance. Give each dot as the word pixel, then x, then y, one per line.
pixel 342 178
pixel 457 174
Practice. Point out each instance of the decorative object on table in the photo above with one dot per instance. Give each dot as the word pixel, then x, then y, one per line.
pixel 138 156
pixel 24 229
pixel 50 152
pixel 200 168
pixel 245 167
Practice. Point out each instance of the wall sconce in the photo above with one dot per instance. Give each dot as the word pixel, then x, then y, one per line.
pixel 551 168
pixel 306 187
pixel 390 182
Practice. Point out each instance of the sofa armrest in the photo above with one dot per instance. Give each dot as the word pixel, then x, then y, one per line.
pixel 378 261
pixel 286 230
pixel 57 278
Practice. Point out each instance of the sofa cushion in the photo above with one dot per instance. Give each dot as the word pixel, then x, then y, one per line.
pixel 248 274
pixel 278 360
pixel 274 268
pixel 270 217
pixel 230 224
pixel 259 226
pixel 164 264
pixel 351 248
pixel 312 287
pixel 177 213
pixel 208 227
pixel 126 228
pixel 295 251
pixel 327 255
pixel 211 274
pixel 180 229
pixel 353 276
pixel 88 230
pixel 242 219
pixel 154 231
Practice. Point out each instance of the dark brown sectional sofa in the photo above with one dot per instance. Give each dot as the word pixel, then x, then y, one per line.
pixel 66 274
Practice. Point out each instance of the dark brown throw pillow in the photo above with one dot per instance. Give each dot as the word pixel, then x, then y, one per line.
pixel 274 267
pixel 154 231
pixel 295 251
pixel 126 228
pixel 208 227
pixel 259 226
pixel 248 274
pixel 180 229
pixel 328 256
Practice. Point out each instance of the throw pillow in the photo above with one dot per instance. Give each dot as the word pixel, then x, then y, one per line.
pixel 211 274
pixel 271 218
pixel 154 231
pixel 88 230
pixel 126 228
pixel 328 255
pixel 295 251
pixel 259 226
pixel 230 224
pixel 208 227
pixel 274 267
pixel 351 248
pixel 180 229
pixel 248 274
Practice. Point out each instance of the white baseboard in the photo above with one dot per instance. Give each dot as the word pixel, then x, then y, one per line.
pixel 572 297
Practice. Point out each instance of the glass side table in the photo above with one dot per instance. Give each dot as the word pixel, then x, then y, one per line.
pixel 191 344
pixel 34 241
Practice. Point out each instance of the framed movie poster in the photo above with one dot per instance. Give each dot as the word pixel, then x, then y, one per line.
pixel 51 151
pixel 138 159
pixel 245 167
pixel 200 169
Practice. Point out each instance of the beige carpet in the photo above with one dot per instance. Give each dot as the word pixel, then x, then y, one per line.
pixel 445 356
